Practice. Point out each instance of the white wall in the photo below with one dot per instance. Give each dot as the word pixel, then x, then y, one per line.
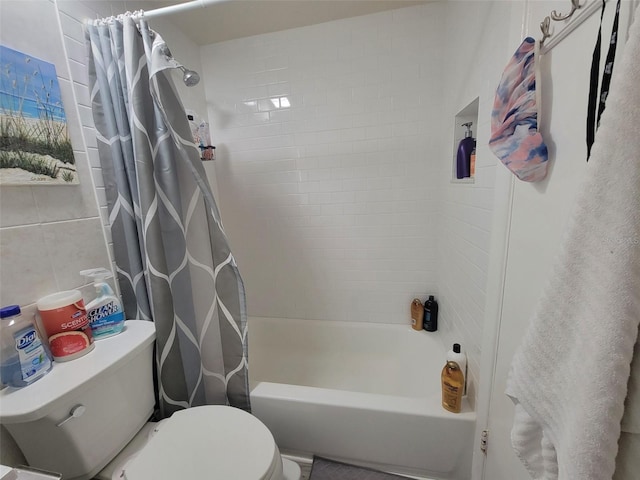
pixel 330 203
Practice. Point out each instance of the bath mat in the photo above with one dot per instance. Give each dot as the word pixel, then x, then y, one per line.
pixel 323 469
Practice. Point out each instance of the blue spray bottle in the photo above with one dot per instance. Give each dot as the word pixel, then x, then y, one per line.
pixel 104 312
pixel 465 148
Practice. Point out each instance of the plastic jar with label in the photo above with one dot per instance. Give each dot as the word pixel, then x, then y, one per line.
pixel 23 357
pixel 65 322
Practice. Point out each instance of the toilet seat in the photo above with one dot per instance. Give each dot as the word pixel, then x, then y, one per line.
pixel 212 441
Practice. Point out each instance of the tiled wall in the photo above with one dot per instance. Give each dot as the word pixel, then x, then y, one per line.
pixel 47 233
pixel 328 150
pixel 476 55
pixel 335 143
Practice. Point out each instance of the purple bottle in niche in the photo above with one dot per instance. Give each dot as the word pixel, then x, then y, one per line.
pixel 466 146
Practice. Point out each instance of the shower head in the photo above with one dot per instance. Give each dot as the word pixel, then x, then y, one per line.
pixel 190 77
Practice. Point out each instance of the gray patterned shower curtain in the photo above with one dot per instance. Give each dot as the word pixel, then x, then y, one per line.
pixel 173 260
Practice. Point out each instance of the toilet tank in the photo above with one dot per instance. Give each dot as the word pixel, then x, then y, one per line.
pixel 110 389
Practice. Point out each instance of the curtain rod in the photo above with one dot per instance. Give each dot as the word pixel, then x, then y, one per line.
pixel 181 7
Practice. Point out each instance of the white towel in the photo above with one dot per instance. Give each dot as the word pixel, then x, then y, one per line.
pixel 631 418
pixel 569 376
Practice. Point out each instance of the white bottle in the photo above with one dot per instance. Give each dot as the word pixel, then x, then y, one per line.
pixel 456 355
pixel 23 356
pixel 105 313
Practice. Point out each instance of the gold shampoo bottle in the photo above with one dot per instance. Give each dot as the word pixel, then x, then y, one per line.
pixel 452 387
pixel 417 314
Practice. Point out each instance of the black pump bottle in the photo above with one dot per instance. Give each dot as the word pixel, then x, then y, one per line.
pixel 430 321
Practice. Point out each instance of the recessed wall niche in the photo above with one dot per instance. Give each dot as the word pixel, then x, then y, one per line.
pixel 464 171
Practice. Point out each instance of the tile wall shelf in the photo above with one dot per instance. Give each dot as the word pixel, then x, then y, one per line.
pixel 467 114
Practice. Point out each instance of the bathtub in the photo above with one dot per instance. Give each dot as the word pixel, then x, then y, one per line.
pixel 359 392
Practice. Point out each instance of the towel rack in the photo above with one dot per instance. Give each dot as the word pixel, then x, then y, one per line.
pixel 578 14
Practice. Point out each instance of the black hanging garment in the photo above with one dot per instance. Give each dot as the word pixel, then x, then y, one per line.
pixel 597 102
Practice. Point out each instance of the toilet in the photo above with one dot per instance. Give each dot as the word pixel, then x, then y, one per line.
pixel 88 418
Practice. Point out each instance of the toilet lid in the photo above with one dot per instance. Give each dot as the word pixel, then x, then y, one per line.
pixel 212 441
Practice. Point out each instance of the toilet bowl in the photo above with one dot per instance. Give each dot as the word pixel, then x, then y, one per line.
pixel 202 442
pixel 89 417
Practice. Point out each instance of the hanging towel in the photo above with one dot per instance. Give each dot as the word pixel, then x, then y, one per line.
pixel 569 378
pixel 631 418
pixel 515 138
pixel 628 459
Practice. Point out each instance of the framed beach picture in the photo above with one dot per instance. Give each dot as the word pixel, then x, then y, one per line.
pixel 35 148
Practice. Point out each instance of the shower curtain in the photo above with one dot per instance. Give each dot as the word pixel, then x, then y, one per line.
pixel 172 257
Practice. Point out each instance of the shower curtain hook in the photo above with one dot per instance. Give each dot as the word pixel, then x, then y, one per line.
pixel 575 5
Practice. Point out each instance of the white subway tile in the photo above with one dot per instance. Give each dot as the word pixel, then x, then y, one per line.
pixel 65 244
pixel 27 273
pixel 363 131
pixel 72 27
pixel 17 206
pixel 86 116
pixel 79 72
pixel 76 50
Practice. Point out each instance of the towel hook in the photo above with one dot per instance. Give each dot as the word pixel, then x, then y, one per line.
pixel 544 27
pixel 575 5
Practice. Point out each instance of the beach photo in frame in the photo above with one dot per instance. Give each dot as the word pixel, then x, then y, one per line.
pixel 35 148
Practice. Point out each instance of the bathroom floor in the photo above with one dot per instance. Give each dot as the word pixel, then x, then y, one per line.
pixel 306 463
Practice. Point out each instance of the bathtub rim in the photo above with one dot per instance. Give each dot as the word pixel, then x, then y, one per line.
pixel 275 403
pixel 423 406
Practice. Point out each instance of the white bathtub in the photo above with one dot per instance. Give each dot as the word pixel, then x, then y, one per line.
pixel 366 393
